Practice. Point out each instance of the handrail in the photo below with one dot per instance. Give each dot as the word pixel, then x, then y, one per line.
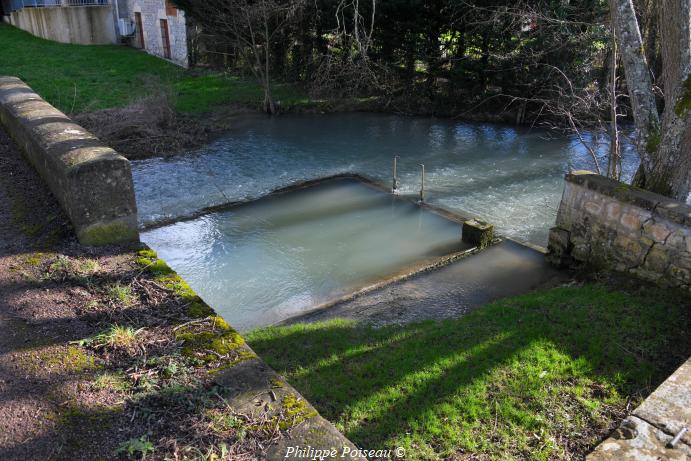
pixel 16 5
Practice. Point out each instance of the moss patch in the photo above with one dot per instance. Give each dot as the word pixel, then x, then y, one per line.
pixel 105 234
pixel 34 259
pixel 148 259
pixel 212 344
pixel 683 105
pixel 70 360
pixel 654 138
pixel 296 411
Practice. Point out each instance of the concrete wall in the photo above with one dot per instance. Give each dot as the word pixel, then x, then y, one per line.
pixel 609 224
pixel 92 182
pixel 84 25
pixel 152 12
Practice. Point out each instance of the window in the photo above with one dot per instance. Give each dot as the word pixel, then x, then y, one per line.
pixel 171 10
pixel 165 38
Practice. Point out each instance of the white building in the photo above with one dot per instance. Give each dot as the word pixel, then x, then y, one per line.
pixel 155 26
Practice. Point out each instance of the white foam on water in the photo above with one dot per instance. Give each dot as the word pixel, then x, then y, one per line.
pixel 510 176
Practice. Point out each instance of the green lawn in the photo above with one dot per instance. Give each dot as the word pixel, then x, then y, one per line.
pixel 517 379
pixel 77 78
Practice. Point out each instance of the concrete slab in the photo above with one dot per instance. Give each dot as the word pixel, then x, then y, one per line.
pixel 645 434
pixel 640 441
pixel 669 407
pixel 505 269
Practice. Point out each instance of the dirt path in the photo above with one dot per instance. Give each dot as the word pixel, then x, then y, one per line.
pixel 107 354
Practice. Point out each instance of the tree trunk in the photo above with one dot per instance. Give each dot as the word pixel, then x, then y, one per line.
pixel 638 81
pixel 670 172
pixel 665 148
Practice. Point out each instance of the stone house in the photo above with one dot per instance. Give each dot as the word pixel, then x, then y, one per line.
pixel 155 26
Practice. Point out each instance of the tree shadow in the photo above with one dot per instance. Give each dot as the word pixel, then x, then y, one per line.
pixel 378 384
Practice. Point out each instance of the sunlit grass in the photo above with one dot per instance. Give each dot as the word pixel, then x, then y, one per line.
pixel 516 379
pixel 79 78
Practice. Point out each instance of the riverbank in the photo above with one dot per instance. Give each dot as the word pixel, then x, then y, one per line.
pixel 107 354
pixel 144 106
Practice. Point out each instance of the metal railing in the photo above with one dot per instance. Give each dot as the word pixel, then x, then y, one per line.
pixel 19 4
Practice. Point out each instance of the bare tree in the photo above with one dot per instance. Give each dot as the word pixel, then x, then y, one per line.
pixel 249 27
pixel 663 144
pixel 346 68
pixel 614 160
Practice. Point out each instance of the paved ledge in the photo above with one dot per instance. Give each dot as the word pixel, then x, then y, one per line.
pixel 251 387
pixel 256 387
pixel 92 182
pixel 644 435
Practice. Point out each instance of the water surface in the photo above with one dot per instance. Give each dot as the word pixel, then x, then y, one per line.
pixel 262 262
pixel 512 177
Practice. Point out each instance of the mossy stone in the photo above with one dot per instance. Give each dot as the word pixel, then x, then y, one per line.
pixel 478 233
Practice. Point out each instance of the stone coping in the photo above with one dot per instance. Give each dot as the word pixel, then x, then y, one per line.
pixel 252 387
pixel 646 433
pixel 671 209
pixel 92 182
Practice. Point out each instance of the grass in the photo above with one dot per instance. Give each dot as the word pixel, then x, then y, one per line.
pixel 121 293
pixel 79 78
pixel 538 377
pixel 115 337
pixel 111 381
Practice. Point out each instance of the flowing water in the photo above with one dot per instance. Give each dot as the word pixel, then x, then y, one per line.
pixel 268 260
pixel 511 177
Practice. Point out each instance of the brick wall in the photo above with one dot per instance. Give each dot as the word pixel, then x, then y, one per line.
pixel 609 224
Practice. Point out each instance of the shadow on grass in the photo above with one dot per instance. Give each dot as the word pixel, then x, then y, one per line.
pixel 529 377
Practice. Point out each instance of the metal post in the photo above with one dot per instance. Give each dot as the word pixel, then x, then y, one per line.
pixel 394 185
pixel 422 184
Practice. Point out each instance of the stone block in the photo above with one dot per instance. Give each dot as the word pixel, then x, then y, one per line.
pixel 674 211
pixel 613 211
pixel 676 239
pixel 630 220
pixel 636 440
pixel 669 406
pixel 657 259
pixel 477 233
pixel 559 240
pixel 657 231
pixel 558 246
pixel 629 250
pixel 593 207
pixel 92 182
pixel 581 252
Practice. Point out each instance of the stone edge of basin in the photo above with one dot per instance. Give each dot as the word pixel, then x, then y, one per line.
pixel 671 209
pixel 648 431
pixel 92 182
pixel 252 386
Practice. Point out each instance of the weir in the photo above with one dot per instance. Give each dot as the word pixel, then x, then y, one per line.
pixel 267 260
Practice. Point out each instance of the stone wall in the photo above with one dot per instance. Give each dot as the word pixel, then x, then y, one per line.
pixel 84 25
pixel 92 182
pixel 611 225
pixel 152 12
